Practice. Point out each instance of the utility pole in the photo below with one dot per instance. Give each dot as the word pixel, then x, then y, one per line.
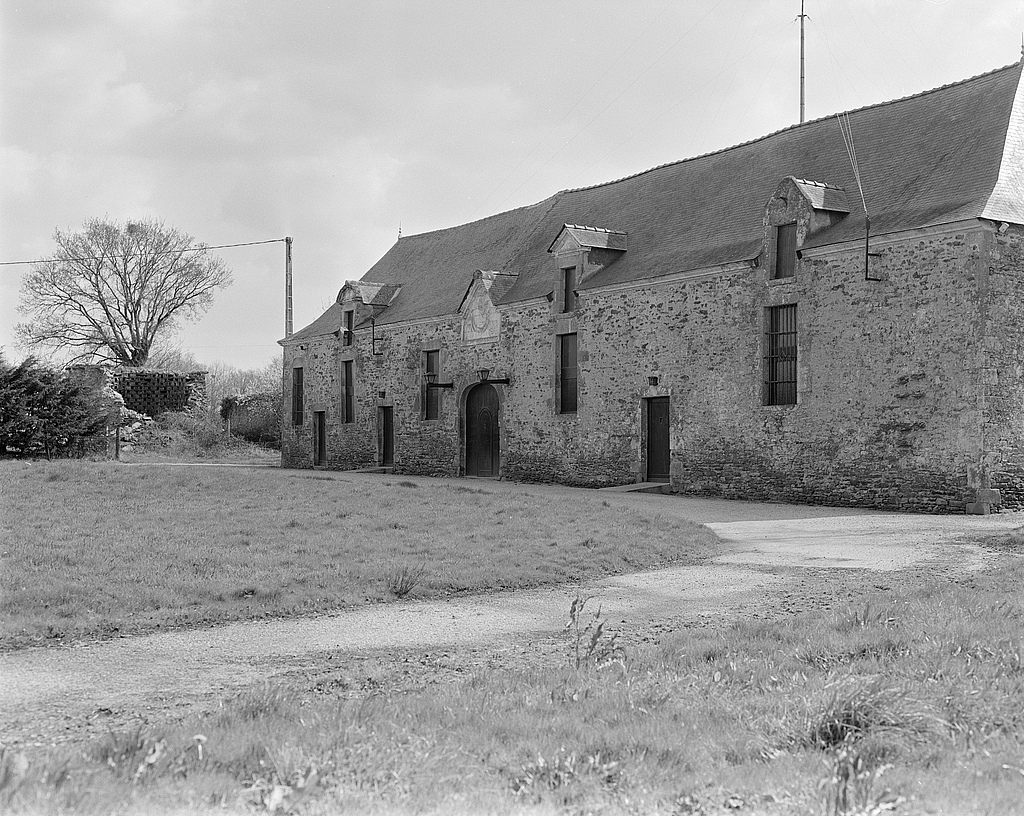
pixel 802 18
pixel 288 287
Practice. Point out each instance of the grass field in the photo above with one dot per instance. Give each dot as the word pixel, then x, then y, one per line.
pixel 907 701
pixel 96 549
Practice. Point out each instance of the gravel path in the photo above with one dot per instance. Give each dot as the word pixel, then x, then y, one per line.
pixel 51 695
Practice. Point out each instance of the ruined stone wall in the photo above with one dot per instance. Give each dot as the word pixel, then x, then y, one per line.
pixel 152 392
pixel 1003 365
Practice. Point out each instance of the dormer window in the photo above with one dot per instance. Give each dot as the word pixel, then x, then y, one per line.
pixel 349 319
pixel 785 251
pixel 569 289
pixel 581 253
pixel 798 212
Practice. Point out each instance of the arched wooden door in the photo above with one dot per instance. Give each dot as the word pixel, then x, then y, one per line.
pixel 483 441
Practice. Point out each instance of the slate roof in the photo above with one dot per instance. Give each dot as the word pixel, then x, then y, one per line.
pixel 328 323
pixel 927 159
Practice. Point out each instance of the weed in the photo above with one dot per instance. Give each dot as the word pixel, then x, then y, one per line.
pixel 130 754
pixel 407 484
pixel 866 616
pixel 853 709
pixel 14 771
pixel 474 490
pixel 276 794
pixel 402 579
pixel 589 642
pixel 563 771
pixel 851 786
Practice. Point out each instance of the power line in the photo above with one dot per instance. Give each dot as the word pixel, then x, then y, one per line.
pixel 164 252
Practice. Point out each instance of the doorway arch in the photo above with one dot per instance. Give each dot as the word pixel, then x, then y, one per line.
pixel 483 438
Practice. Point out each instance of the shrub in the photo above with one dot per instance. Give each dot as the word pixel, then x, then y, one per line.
pixel 44 412
pixel 197 429
pixel 404 578
pixel 254 417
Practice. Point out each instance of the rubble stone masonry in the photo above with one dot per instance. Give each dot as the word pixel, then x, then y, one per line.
pixel 910 388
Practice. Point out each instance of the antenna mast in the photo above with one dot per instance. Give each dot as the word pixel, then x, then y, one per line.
pixel 802 18
pixel 288 287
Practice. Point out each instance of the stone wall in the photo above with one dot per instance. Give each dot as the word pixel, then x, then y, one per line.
pixel 1002 367
pixel 909 396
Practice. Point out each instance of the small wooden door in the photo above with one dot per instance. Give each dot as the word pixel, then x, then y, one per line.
pixel 658 456
pixel 387 436
pixel 483 440
pixel 319 438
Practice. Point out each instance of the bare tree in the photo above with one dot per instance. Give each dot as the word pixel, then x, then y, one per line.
pixel 112 289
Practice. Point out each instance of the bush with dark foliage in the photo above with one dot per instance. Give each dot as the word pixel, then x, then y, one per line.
pixel 254 417
pixel 44 412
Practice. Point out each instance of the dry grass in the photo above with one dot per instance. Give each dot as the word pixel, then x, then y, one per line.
pixel 733 719
pixel 93 549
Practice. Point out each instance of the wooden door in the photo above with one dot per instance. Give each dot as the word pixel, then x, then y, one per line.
pixel 319 438
pixel 483 441
pixel 658 455
pixel 387 436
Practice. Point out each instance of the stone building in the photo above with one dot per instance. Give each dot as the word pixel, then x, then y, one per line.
pixel 720 324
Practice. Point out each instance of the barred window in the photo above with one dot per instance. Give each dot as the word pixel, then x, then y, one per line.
pixel 297 396
pixel 568 374
pixel 785 251
pixel 780 346
pixel 348 408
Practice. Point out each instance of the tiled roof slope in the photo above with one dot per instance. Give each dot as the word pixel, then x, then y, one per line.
pixel 925 159
pixel 435 268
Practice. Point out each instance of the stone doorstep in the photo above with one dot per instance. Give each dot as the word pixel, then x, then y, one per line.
pixel 641 487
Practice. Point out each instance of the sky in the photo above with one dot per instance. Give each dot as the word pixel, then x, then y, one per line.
pixel 339 122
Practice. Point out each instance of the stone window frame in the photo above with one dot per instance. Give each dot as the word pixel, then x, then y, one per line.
pixel 781 376
pixel 784 266
pixel 430 394
pixel 568 281
pixel 347 414
pixel 348 327
pixel 298 396
pixel 562 380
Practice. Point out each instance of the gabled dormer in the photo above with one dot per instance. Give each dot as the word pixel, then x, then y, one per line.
pixel 580 252
pixel 360 301
pixel 481 320
pixel 797 210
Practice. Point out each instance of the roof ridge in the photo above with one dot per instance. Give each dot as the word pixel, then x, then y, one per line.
pixel 595 229
pixel 480 220
pixel 826 185
pixel 883 104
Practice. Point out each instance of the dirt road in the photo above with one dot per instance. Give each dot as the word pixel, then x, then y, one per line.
pixel 50 695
